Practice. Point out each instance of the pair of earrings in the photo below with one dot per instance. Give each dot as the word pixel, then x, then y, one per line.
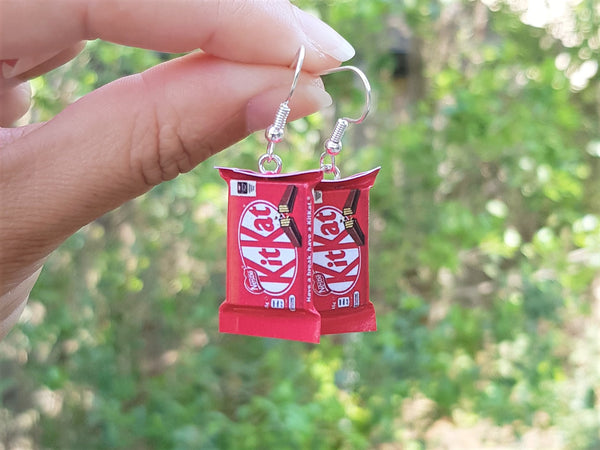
pixel 297 244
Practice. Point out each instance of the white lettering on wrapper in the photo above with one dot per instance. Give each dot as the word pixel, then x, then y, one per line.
pixel 266 249
pixel 335 254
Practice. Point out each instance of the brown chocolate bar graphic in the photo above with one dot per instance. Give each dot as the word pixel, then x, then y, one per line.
pixel 351 203
pixel 353 229
pixel 286 204
pixel 291 230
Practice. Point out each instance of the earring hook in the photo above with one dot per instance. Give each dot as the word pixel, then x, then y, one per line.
pixel 333 145
pixel 297 65
pixel 366 85
pixel 274 133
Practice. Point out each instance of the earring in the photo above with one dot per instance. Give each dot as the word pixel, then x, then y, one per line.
pixel 341 236
pixel 269 245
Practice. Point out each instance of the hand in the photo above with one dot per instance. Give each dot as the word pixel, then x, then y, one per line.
pixel 120 140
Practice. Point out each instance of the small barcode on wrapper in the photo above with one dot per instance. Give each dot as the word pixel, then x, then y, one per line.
pixel 318 197
pixel 241 188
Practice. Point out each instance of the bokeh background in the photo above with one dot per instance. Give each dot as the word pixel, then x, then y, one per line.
pixel 485 260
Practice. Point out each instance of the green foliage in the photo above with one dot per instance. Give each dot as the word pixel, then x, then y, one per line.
pixel 485 244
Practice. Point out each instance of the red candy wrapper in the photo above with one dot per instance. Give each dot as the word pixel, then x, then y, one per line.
pixel 341 254
pixel 269 256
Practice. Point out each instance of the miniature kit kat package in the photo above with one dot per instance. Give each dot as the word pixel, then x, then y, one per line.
pixel 341 254
pixel 269 256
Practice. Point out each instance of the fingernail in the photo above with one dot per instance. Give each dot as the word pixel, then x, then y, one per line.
pixel 10 62
pixel 323 37
pixel 261 110
pixel 7 67
pixel 15 103
pixel 11 71
pixel 14 68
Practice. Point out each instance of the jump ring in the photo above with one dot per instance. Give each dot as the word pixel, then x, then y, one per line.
pixel 266 158
pixel 336 173
pixel 322 159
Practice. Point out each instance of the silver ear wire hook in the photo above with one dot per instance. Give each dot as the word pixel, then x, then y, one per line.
pixel 366 84
pixel 298 69
pixel 333 145
pixel 274 133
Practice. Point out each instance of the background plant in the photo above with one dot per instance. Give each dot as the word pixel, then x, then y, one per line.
pixel 485 230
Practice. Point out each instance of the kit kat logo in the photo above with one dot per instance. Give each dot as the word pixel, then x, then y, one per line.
pixel 268 254
pixel 336 255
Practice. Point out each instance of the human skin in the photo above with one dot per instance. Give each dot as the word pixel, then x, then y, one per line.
pixel 119 141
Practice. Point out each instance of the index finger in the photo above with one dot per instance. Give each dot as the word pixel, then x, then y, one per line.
pixel 259 31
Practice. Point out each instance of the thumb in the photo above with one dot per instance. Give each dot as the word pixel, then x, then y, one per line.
pixel 119 141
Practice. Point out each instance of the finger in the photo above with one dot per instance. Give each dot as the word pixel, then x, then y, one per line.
pixel 122 139
pixel 264 32
pixel 33 66
pixel 15 95
pixel 15 103
pixel 13 302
